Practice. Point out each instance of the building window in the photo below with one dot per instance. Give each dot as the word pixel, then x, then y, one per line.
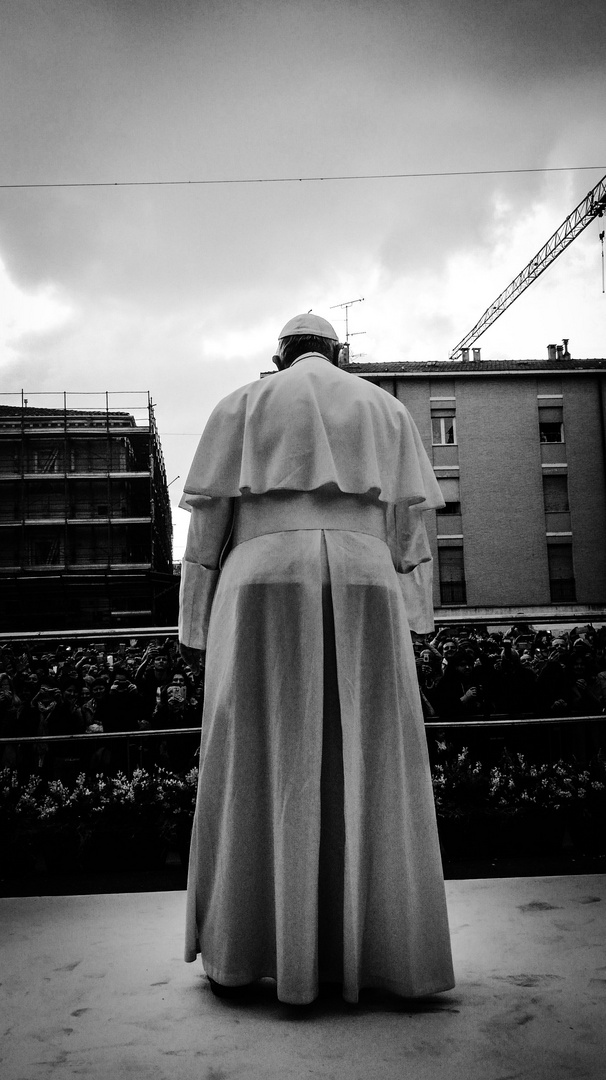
pixel 131 544
pixel 10 554
pixel 45 549
pixel 10 501
pixel 45 499
pixel 44 457
pixel 443 427
pixel 89 545
pixel 89 455
pixel 561 573
pixel 449 486
pixel 10 457
pixel 555 494
pixel 45 552
pixel 452 575
pixel 551 424
pixel 87 498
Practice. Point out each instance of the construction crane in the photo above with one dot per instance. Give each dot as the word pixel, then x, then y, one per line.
pixel 592 206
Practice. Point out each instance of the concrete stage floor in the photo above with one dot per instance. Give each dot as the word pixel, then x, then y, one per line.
pixel 94 986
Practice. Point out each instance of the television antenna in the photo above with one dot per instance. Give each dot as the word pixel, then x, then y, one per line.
pixel 347 305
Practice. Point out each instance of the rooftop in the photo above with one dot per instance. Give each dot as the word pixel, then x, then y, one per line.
pixel 17 414
pixel 446 368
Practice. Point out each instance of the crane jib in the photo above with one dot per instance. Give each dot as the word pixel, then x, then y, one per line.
pixel 591 207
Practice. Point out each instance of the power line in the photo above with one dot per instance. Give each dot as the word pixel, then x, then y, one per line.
pixel 295 179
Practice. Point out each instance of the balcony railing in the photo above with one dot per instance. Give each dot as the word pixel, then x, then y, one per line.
pixel 116 642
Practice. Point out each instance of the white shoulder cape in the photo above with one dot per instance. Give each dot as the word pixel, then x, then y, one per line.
pixel 310 425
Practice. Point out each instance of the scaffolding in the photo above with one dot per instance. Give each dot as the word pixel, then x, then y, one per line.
pixel 83 499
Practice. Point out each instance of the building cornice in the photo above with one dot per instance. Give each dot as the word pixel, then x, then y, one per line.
pixel 439 369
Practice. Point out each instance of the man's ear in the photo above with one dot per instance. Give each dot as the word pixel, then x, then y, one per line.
pixel 277 361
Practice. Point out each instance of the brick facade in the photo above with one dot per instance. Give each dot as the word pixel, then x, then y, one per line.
pixel 500 461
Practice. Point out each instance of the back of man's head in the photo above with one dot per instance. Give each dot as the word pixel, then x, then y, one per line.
pixel 304 334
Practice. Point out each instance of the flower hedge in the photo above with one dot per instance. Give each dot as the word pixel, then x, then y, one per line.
pixel 100 820
pixel 517 806
pixel 512 807
pixel 514 785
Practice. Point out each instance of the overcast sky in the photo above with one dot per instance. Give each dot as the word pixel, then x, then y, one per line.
pixel 182 289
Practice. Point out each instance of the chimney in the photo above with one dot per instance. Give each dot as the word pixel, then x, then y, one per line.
pixel 476 355
pixel 566 354
pixel 551 352
pixel 343 357
pixel 465 355
pixel 559 352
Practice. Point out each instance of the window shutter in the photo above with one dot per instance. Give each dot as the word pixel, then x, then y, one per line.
pixel 555 492
pixel 551 415
pixel 449 486
pixel 451 564
pixel 560 561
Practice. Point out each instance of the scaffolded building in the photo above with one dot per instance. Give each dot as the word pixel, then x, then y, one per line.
pixel 85 525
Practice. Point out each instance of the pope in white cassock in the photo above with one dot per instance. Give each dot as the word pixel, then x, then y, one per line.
pixel 314 853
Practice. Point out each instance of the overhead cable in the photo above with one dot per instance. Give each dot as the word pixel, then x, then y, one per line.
pixel 294 179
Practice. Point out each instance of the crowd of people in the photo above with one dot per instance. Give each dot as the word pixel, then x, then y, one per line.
pixel 471 672
pixel 96 688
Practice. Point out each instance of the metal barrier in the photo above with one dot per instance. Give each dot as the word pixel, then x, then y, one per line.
pixel 107 634
pixel 502 720
pixel 435 722
pixel 95 739
pixel 142 733
pixel 442 619
pixel 582 734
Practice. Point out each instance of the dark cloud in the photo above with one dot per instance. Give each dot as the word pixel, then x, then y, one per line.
pixel 519 39
pixel 105 90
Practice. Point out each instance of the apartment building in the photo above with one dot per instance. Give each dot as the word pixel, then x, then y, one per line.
pixel 519 450
pixel 85 525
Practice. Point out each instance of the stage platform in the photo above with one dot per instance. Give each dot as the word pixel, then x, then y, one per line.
pixel 95 987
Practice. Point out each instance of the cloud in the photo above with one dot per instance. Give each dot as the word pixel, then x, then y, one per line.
pixel 421 314
pixel 28 317
pixel 107 91
pixel 181 290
